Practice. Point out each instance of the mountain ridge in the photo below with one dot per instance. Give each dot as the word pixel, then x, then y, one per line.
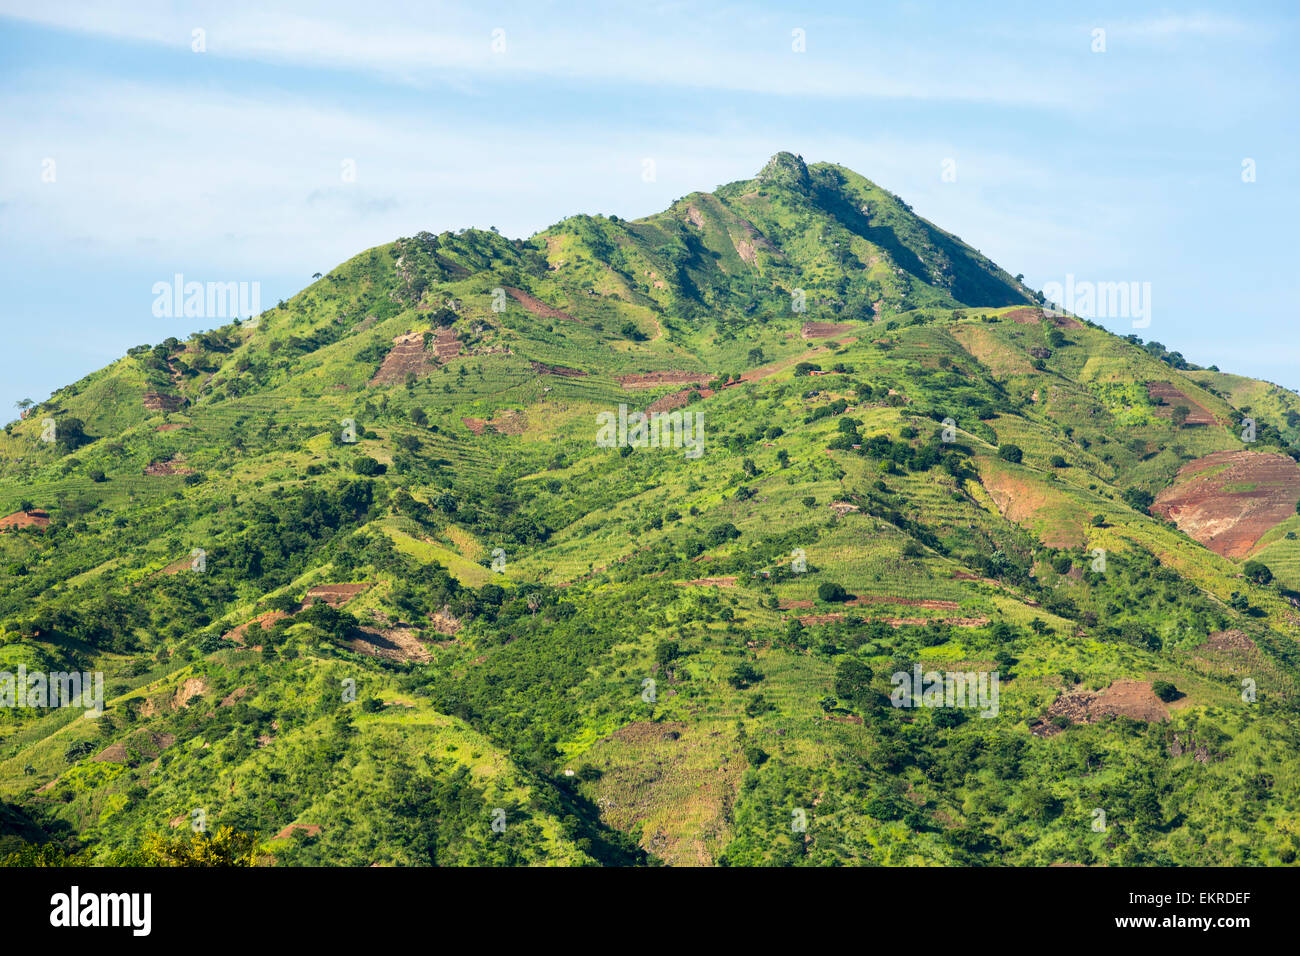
pixel 907 462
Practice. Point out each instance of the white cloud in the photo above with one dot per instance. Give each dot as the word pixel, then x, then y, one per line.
pixel 665 48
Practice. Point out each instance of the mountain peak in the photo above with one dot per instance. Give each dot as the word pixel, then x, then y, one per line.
pixel 787 169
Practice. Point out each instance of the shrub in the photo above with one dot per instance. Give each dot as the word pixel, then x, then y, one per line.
pixel 365 465
pixel 1257 572
pixel 1011 453
pixel 831 592
pixel 1165 690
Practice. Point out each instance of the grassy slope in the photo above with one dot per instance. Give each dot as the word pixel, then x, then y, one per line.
pixel 707 771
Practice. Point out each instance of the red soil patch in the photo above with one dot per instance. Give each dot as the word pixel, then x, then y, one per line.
pixel 234 697
pixel 506 423
pixel 1231 640
pixel 541 368
pixel 147 745
pixel 812 619
pixel 335 595
pixel 168 468
pixel 672 401
pixel 311 829
pixel 407 357
pixel 933 605
pixel 445 345
pixel 1033 316
pixel 239 634
pixel 391 643
pixel 1168 396
pixel 824 330
pixel 1230 509
pixel 444 622
pixel 170 427
pixel 25 519
pixel 1123 698
pixel 160 402
pixel 510 423
pixel 176 567
pixel 538 307
pixel 664 377
pixel 721 582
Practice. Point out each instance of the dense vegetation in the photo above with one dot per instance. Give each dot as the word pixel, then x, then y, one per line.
pixel 365 589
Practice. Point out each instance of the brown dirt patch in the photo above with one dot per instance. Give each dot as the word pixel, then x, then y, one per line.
pixel 335 595
pixel 170 427
pixel 1230 640
pixel 191 688
pixel 1228 500
pixel 113 753
pixel 234 697
pixel 1033 316
pixel 162 402
pixel 541 368
pixel 824 330
pixel 1031 505
pixel 445 345
pixel 813 619
pixel 538 307
pixel 663 377
pixel 1123 698
pixel 506 423
pixel 671 401
pixel 933 605
pixel 170 467
pixel 391 643
pixel 446 623
pixel 728 581
pixel 311 829
pixel 408 356
pixel 240 634
pixel 843 507
pixel 25 519
pixel 1168 396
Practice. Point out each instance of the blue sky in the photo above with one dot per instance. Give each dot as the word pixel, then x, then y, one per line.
pixel 1122 165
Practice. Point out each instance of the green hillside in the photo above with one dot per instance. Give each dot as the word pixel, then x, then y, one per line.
pixel 480 635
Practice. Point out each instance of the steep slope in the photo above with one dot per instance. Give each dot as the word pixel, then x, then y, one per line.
pixel 398 479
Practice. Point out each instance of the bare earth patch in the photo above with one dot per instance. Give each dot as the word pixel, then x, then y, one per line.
pixel 1123 698
pixel 541 368
pixel 407 357
pixel 824 330
pixel 172 466
pixel 391 643
pixel 677 781
pixel 25 519
pixel 728 581
pixel 1229 499
pixel 1168 396
pixel 538 307
pixel 335 595
pixel 664 377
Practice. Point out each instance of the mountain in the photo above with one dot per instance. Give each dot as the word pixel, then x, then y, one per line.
pixel 387 575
